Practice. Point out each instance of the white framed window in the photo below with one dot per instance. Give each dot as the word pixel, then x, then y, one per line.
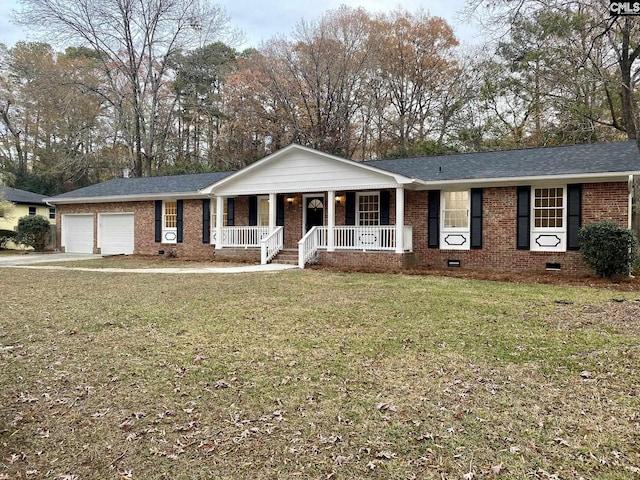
pixel 33 211
pixel 455 210
pixel 52 213
pixel 368 209
pixel 455 233
pixel 548 208
pixel 214 213
pixel 170 215
pixel 169 221
pixel 548 218
pixel 263 211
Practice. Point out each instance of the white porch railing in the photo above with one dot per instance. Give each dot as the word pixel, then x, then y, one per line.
pixel 243 237
pixel 379 238
pixel 309 244
pixel 271 245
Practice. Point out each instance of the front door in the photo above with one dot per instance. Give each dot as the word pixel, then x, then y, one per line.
pixel 314 212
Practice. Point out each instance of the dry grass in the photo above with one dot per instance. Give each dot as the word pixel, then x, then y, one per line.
pixel 140 261
pixel 313 374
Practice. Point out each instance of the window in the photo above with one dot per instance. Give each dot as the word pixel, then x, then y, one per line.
pixel 368 209
pixel 548 207
pixel 263 211
pixel 548 223
pixel 170 219
pixel 52 213
pixel 32 210
pixel 455 210
pixel 214 205
pixel 455 233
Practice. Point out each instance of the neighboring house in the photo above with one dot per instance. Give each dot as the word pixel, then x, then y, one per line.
pixel 24 203
pixel 516 210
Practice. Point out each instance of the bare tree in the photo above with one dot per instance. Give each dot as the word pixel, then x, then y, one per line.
pixel 136 40
pixel 622 34
pixel 416 59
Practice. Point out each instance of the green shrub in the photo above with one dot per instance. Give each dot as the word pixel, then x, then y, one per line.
pixel 33 231
pixel 6 236
pixel 607 248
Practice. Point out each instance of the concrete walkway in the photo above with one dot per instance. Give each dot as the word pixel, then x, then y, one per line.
pixel 28 261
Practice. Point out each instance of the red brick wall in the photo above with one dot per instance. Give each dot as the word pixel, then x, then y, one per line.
pixel 499 252
pixel 599 201
pixel 144 220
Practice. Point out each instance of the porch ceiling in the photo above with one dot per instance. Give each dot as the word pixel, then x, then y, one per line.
pixel 299 169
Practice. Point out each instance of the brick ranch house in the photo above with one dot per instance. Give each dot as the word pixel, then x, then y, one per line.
pixel 515 210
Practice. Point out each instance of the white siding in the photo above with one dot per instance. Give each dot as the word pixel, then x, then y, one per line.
pixel 301 171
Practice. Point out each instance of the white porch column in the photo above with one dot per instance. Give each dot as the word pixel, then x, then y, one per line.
pixel 273 200
pixel 331 220
pixel 399 219
pixel 219 220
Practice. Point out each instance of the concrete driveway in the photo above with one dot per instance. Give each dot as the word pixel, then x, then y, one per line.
pixel 31 258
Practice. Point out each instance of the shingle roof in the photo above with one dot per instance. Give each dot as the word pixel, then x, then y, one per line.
pixel 573 160
pixel 532 162
pixel 167 185
pixel 16 195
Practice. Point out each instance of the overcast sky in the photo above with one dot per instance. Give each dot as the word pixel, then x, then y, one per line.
pixel 260 20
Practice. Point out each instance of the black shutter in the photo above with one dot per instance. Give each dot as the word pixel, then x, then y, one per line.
pixel 523 228
pixel 231 212
pixel 433 223
pixel 574 215
pixel 476 218
pixel 179 219
pixel 253 211
pixel 280 211
pixel 158 221
pixel 350 208
pixel 385 198
pixel 206 220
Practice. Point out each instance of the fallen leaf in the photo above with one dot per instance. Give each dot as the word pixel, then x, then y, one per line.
pixel 386 406
pixel 385 455
pixel 127 424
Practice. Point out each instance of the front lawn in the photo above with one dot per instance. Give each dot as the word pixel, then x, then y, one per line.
pixel 314 374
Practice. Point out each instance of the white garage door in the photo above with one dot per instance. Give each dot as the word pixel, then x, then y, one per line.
pixel 77 233
pixel 116 233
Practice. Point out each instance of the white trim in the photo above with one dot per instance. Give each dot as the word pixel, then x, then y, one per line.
pixel 169 232
pixel 398 179
pixel 557 236
pixel 101 215
pixel 64 231
pixel 366 193
pixel 331 220
pixel 217 239
pixel 399 220
pixel 523 181
pixel 304 208
pixel 630 203
pixel 259 212
pixel 131 198
pixel 455 238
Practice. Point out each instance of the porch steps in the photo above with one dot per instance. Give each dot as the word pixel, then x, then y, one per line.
pixel 287 256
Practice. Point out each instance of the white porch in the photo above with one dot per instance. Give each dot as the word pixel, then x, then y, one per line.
pixel 305 173
pixel 383 238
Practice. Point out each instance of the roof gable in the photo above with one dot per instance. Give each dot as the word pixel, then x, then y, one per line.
pixel 300 169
